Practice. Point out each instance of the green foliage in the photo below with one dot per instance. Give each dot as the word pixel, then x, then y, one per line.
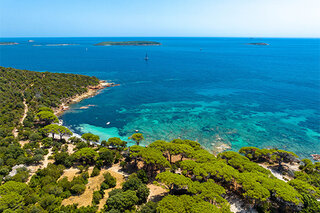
pixel 45 109
pixel 270 155
pixel 208 191
pixel 311 205
pixel 11 201
pixel 107 156
pixel 142 193
pixel 95 172
pixel 195 145
pixel 304 187
pixel 242 163
pixel 149 207
pixel 64 159
pixel 109 181
pixel 13 195
pixel 122 201
pixel 74 140
pixel 202 156
pixel 137 137
pixel 78 189
pixel 135 184
pixel 97 196
pixel 185 204
pixel 49 202
pixel 90 138
pixel 153 158
pixel 86 156
pixel 38 88
pixel 183 149
pixel 116 142
pixel 46 117
pixel 21 176
pixel 56 129
pixel 75 209
pixel 142 175
pixel 173 181
pixel 114 191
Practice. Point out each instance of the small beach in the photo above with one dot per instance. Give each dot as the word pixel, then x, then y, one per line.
pixel 91 91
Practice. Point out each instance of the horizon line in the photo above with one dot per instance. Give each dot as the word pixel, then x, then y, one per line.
pixel 157 37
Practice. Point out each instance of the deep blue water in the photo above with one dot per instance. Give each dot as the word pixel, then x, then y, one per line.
pixel 227 93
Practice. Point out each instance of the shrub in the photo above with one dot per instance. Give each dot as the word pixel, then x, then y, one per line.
pixel 142 175
pixel 97 196
pixel 78 189
pixel 150 207
pixel 95 172
pixel 109 180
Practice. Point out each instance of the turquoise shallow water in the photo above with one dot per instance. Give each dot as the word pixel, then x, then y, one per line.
pixel 227 93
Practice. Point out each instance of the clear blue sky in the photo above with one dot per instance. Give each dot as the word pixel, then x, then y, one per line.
pixel 248 18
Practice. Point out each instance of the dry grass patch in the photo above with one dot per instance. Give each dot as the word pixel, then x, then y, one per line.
pixel 156 192
pixel 70 148
pixel 70 173
pixel 85 199
pixel 94 184
pixel 22 143
pixel 120 177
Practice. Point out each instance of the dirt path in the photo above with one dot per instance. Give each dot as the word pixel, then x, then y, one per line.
pixel 34 168
pixel 46 160
pixel 15 131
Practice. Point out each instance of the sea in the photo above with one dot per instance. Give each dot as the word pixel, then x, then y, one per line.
pixel 221 92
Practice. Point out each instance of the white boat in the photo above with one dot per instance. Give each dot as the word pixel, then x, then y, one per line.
pixel 107 123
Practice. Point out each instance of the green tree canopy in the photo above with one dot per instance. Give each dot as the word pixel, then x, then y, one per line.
pixel 89 137
pixel 137 137
pixel 56 129
pixel 46 117
pixel 45 109
pixel 186 204
pixel 116 142
pixel 173 181
pixel 86 156
pixel 122 201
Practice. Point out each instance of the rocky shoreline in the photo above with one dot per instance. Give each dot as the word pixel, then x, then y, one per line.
pixel 92 91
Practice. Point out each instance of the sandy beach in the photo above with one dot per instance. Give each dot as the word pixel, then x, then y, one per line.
pixel 92 91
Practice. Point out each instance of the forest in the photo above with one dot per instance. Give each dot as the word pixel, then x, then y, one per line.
pixel 44 168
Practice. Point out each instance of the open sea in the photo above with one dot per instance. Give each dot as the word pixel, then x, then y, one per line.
pixel 218 91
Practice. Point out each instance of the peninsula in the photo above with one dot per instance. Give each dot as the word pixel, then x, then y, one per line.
pixel 258 43
pixel 128 43
pixel 8 43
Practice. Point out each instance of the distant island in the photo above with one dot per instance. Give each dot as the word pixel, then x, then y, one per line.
pixel 128 43
pixel 259 43
pixel 60 44
pixel 8 43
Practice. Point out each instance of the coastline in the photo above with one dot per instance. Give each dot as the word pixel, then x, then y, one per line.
pixel 91 91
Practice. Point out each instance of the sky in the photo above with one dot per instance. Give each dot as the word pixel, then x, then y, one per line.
pixel 160 18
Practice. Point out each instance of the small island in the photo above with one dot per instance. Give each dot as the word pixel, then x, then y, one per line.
pixel 8 43
pixel 128 43
pixel 60 44
pixel 259 43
